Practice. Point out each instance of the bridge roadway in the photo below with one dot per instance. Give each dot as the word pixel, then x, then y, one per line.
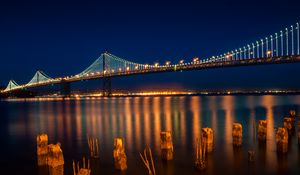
pixel 165 68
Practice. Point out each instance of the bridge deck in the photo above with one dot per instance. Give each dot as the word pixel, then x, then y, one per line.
pixel 170 68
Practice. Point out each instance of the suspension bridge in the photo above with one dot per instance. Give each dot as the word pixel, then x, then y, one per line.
pixel 278 48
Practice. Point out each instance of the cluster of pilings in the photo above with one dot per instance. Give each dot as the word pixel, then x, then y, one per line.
pixel 50 156
pixel 282 133
pixel 288 129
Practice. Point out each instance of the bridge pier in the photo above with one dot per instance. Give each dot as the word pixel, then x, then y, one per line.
pixel 106 89
pixel 65 89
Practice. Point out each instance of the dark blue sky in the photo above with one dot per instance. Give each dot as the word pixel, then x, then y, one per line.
pixel 63 38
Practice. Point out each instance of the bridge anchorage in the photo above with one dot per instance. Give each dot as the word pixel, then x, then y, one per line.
pixel 279 48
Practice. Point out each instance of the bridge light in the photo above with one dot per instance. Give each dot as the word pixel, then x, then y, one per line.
pixel 156 64
pixel 120 69
pixel 269 53
pixel 136 67
pixel 112 70
pixel 168 63
pixel 195 60
pixel 92 73
pixel 181 61
pixel 104 71
pixel 127 68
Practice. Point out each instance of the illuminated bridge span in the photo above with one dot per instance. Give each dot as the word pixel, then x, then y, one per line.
pixel 282 47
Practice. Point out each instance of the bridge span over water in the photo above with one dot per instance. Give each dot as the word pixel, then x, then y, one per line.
pixel 279 48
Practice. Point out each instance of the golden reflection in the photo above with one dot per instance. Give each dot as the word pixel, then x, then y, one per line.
pixel 228 105
pixel 195 109
pixel 182 120
pixel 78 121
pixel 214 111
pixel 108 126
pixel 128 121
pixel 167 112
pixel 50 122
pixel 98 118
pixel 157 129
pixel 120 116
pixel 113 111
pixel 147 129
pixel 88 124
pixel 68 121
pixel 93 117
pixel 268 102
pixel 42 123
pixel 59 119
pixel 137 115
pixel 251 126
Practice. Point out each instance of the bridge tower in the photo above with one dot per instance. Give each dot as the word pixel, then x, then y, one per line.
pixel 106 89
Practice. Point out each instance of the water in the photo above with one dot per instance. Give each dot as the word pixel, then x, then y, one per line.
pixel 139 120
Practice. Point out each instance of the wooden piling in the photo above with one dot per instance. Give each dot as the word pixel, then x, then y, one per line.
pixel 55 160
pixel 251 154
pixel 208 138
pixel 237 134
pixel 288 124
pixel 166 145
pixel 93 144
pixel 84 170
pixel 119 154
pixel 200 160
pixel 293 115
pixel 262 130
pixel 148 163
pixel 42 149
pixel 282 140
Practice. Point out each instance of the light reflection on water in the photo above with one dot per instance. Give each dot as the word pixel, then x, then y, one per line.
pixel 140 119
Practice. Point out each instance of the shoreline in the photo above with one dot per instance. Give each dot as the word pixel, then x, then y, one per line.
pixel 164 94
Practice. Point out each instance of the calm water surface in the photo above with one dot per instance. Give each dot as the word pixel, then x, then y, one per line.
pixel 139 120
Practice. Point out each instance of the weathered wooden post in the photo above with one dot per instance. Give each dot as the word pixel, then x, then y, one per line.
pixel 262 130
pixel 237 134
pixel 166 145
pixel 251 154
pixel 288 124
pixel 200 161
pixel 119 154
pixel 282 140
pixel 55 160
pixel 208 138
pixel 93 147
pixel 42 149
pixel 84 170
pixel 293 115
pixel 148 163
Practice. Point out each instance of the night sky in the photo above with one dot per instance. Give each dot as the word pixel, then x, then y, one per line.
pixel 63 38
